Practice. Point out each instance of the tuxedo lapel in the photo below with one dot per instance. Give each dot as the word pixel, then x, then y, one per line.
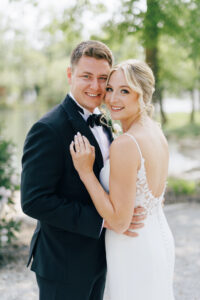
pixel 79 125
pixel 82 127
pixel 108 132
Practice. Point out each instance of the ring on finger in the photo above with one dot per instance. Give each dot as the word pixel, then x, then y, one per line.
pixel 135 223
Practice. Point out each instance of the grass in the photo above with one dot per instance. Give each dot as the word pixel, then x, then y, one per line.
pixel 179 125
pixel 182 187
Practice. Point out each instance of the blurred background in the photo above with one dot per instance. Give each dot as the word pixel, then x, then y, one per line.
pixel 36 39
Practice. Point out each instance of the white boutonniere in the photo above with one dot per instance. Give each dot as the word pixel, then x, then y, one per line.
pixel 114 126
pixel 116 129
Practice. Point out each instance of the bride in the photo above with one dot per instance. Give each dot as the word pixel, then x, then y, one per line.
pixel 135 175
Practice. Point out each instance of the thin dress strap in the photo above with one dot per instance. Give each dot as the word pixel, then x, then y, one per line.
pixel 134 139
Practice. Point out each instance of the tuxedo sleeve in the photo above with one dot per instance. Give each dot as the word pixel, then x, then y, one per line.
pixel 42 168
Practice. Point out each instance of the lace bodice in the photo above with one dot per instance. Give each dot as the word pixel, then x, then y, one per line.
pixel 146 261
pixel 144 196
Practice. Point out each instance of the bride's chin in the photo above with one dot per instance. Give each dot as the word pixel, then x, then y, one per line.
pixel 114 118
pixel 113 114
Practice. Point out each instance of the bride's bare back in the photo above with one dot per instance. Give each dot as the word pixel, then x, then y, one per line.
pixel 154 148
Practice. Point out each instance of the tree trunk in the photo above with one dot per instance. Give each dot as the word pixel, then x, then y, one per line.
pixel 192 115
pixel 198 87
pixel 151 36
pixel 199 100
pixel 162 112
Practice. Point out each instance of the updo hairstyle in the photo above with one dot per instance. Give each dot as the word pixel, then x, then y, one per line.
pixel 140 79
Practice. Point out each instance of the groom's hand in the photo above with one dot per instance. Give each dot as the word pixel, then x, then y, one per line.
pixel 139 215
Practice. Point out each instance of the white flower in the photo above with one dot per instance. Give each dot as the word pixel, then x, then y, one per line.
pixel 11 149
pixel 4 192
pixel 14 161
pixel 8 193
pixel 4 238
pixel 14 179
pixel 4 231
pixel 117 128
pixel 4 200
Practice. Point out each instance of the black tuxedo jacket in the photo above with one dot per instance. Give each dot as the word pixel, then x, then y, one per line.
pixel 68 244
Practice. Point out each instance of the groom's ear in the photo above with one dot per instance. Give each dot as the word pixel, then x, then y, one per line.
pixel 69 75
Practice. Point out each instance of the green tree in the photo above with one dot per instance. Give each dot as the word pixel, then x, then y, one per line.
pixel 190 39
pixel 8 185
pixel 149 24
pixel 159 21
pixel 27 70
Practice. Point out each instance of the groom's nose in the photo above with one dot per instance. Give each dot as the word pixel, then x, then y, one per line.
pixel 94 84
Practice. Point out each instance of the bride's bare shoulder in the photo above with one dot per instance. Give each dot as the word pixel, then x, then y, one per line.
pixel 121 141
pixel 124 148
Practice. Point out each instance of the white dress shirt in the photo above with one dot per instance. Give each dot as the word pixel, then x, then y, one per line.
pixel 98 133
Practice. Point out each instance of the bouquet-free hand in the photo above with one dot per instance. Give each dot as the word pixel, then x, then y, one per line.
pixel 83 155
pixel 139 215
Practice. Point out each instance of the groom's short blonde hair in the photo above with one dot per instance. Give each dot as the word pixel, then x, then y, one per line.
pixel 91 48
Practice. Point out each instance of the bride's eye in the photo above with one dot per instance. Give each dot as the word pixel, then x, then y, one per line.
pixel 108 89
pixel 124 91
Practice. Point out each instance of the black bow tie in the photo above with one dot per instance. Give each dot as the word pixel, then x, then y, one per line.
pixel 97 120
pixel 94 119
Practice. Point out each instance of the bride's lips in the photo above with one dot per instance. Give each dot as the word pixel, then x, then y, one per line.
pixel 116 108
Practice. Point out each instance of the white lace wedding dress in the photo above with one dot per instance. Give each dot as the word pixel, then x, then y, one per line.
pixel 140 268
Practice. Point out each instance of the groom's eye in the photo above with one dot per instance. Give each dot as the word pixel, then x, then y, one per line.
pixel 103 78
pixel 86 76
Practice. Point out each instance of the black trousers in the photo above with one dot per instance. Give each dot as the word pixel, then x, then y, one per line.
pixel 50 290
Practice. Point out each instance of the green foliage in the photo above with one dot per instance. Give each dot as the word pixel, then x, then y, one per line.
pixel 8 229
pixel 177 72
pixel 182 187
pixel 166 32
pixel 179 125
pixel 8 185
pixel 190 37
pixel 40 71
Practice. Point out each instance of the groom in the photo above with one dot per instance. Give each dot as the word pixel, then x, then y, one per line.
pixel 67 249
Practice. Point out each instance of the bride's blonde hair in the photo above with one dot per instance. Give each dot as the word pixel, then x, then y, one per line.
pixel 140 79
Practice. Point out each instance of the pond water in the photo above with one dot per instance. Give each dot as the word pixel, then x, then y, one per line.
pixel 184 157
pixel 16 124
